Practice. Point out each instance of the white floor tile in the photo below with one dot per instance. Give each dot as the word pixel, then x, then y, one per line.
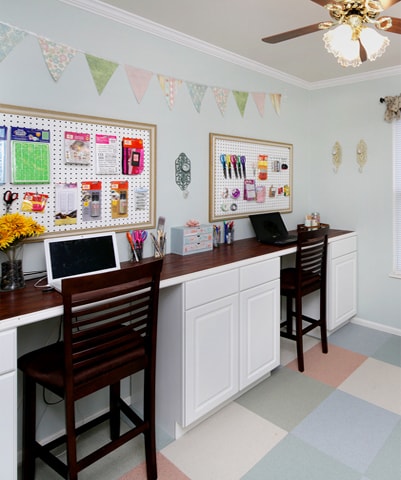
pixel 225 446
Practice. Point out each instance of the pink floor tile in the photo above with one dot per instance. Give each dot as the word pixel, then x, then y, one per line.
pixel 331 368
pixel 165 469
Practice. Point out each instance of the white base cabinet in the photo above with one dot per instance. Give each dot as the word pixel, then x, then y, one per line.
pixel 8 405
pixel 230 340
pixel 341 282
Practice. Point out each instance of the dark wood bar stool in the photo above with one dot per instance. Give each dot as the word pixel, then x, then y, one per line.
pixel 309 275
pixel 109 327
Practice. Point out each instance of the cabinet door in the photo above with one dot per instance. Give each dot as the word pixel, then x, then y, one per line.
pixel 259 331
pixel 341 290
pixel 211 356
pixel 8 430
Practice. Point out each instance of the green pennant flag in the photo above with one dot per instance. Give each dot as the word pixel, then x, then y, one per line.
pixel 241 98
pixel 101 70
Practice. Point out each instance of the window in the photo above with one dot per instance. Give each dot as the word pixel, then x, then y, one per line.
pixel 397 198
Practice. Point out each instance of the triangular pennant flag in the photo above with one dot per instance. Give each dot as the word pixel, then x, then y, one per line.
pixel 139 81
pixel 221 97
pixel 259 99
pixel 101 70
pixel 197 92
pixel 9 38
pixel 241 98
pixel 276 101
pixel 56 56
pixel 169 86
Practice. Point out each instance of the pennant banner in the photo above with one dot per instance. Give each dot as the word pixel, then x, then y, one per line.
pixel 221 97
pixel 196 92
pixel 169 87
pixel 139 81
pixel 101 70
pixel 259 99
pixel 9 38
pixel 276 101
pixel 57 57
pixel 241 98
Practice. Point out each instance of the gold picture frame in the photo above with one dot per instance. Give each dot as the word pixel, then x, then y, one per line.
pixel 248 176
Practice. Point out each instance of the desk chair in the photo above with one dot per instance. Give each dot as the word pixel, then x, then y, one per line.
pixel 309 275
pixel 109 328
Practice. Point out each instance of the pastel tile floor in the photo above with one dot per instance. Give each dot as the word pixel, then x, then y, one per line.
pixel 339 420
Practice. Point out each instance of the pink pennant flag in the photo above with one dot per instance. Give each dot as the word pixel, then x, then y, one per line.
pixel 259 99
pixel 139 81
pixel 57 57
pixel 169 86
pixel 221 97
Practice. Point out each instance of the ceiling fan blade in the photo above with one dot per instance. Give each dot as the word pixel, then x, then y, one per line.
pixel 396 27
pixel 282 37
pixel 322 3
pixel 362 52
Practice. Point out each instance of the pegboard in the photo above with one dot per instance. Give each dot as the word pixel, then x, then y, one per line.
pixel 140 199
pixel 240 183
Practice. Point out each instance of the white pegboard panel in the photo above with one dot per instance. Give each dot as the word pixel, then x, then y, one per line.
pixel 226 194
pixel 141 187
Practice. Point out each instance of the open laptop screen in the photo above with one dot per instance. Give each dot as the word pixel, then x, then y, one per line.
pixel 80 255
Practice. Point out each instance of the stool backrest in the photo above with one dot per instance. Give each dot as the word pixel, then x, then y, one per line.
pixel 110 325
pixel 311 258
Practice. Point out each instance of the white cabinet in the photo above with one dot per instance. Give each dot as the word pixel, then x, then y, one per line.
pixel 8 405
pixel 259 321
pixel 231 334
pixel 341 282
pixel 211 356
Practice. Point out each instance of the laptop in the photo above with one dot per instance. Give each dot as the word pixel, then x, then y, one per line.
pixel 270 228
pixel 79 255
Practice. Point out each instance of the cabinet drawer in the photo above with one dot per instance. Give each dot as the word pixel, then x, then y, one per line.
pixel 212 287
pixel 8 351
pixel 258 273
pixel 342 247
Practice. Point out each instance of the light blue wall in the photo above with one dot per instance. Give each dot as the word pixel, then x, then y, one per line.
pixel 311 120
pixel 359 201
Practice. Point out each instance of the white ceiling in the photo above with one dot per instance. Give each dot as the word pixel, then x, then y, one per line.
pixel 237 27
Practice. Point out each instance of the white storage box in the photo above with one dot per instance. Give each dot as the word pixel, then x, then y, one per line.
pixel 187 240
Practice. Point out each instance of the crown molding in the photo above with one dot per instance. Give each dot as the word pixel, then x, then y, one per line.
pixel 113 13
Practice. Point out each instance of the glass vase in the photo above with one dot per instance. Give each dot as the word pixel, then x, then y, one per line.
pixel 12 275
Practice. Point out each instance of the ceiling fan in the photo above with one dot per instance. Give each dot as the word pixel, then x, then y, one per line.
pixel 351 19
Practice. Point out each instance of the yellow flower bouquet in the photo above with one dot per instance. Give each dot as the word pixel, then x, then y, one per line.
pixel 14 228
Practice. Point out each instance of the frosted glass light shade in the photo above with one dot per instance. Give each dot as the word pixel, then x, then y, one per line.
pixel 374 43
pixel 339 42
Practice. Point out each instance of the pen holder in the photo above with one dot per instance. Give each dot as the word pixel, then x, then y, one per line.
pixel 216 237
pixel 159 247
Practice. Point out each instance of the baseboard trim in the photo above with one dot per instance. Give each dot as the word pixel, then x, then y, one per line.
pixel 376 326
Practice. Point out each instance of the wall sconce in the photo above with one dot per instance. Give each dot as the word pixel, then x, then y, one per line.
pixel 361 154
pixel 336 154
pixel 183 173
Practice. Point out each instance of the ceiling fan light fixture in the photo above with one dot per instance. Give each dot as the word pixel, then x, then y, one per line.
pixel 341 44
pixel 373 42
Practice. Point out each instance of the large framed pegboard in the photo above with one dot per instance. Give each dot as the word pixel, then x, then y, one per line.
pixel 139 199
pixel 248 176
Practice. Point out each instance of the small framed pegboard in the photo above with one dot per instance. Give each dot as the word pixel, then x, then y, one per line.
pixel 248 176
pixel 75 172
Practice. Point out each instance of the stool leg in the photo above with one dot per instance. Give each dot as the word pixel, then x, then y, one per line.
pixel 28 428
pixel 115 411
pixel 71 438
pixel 289 314
pixel 323 322
pixel 298 332
pixel 150 418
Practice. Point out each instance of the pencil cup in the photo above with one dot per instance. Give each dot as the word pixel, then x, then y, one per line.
pixel 216 238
